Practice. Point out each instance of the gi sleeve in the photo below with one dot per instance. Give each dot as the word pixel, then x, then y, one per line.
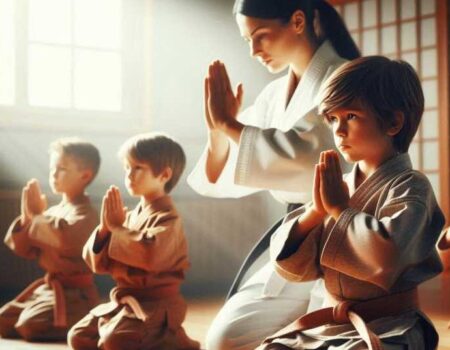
pixel 17 239
pixel 379 249
pixel 300 263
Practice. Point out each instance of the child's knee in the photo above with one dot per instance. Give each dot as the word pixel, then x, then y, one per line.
pixel 29 330
pixel 79 339
pixel 117 341
pixel 7 329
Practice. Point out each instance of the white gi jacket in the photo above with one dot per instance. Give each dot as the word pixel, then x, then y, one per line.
pixel 280 144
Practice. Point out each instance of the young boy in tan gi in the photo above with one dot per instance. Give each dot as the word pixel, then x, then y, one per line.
pixel 55 237
pixel 144 251
pixel 372 235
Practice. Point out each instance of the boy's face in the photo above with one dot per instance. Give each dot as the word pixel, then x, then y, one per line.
pixel 358 135
pixel 66 174
pixel 140 179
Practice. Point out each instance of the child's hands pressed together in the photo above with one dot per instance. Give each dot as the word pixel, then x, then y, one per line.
pixel 332 193
pixel 113 212
pixel 34 202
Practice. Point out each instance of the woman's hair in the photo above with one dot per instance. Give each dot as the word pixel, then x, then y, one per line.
pixel 383 87
pixel 158 151
pixel 332 27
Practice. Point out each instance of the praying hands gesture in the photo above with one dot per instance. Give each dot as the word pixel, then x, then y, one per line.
pixel 33 202
pixel 113 212
pixel 221 103
pixel 330 194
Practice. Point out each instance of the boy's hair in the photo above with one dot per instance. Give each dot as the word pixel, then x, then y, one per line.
pixel 85 153
pixel 158 151
pixel 384 87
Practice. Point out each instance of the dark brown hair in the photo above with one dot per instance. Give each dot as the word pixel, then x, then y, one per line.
pixel 159 151
pixel 384 87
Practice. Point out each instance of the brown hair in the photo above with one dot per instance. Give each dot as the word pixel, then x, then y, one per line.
pixel 85 152
pixel 158 151
pixel 384 87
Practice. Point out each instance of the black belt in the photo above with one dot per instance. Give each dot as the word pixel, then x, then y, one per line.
pixel 260 247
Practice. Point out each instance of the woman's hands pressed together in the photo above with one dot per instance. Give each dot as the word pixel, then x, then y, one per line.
pixel 221 103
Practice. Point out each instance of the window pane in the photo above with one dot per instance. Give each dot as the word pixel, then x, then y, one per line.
pixel 351 16
pixel 7 57
pixel 430 155
pixel 49 80
pixel 408 9
pixel 49 21
pixel 409 36
pixel 430 124
pixel 434 179
pixel 411 58
pixel 414 155
pixel 98 80
pixel 388 11
pixel 370 40
pixel 369 13
pixel 430 91
pixel 428 34
pixel 429 63
pixel 356 37
pixel 389 39
pixel 427 7
pixel 98 23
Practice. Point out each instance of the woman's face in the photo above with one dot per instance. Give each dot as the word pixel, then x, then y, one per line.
pixel 272 42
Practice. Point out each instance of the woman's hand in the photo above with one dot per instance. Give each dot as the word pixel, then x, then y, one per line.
pixel 334 194
pixel 222 103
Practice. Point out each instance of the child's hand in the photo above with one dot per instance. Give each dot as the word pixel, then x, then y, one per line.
pixel 24 215
pixel 334 193
pixel 103 228
pixel 36 202
pixel 222 103
pixel 115 212
pixel 317 206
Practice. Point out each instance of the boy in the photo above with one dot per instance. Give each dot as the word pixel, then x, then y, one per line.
pixel 55 237
pixel 145 252
pixel 372 236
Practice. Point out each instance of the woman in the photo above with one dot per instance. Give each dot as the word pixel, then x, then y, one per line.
pixel 272 145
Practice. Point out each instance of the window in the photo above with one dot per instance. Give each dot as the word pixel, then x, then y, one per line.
pixel 408 29
pixel 73 61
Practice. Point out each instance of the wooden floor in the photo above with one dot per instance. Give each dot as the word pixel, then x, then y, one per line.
pixel 202 311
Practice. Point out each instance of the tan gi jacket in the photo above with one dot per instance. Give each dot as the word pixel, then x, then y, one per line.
pixel 383 244
pixel 56 239
pixel 147 258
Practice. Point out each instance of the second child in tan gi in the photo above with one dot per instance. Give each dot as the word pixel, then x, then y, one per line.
pixel 55 237
pixel 145 251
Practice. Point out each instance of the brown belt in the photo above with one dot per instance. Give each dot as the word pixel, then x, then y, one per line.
pixel 130 296
pixel 57 283
pixel 356 313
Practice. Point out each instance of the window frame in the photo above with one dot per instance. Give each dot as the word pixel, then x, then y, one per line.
pixel 135 80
